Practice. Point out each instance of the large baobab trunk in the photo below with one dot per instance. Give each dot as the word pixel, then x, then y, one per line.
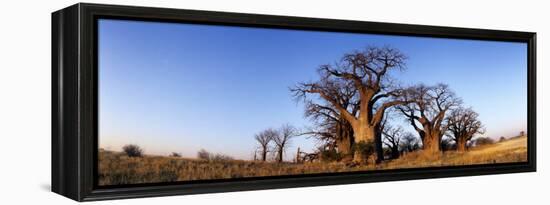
pixel 364 135
pixel 367 129
pixel 362 130
pixel 431 138
pixel 431 142
pixel 461 145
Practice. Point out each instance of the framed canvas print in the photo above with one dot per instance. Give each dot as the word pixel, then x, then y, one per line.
pixel 155 102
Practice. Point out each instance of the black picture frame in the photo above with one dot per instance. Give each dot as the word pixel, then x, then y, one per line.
pixel 75 100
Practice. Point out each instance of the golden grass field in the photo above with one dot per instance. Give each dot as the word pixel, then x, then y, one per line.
pixel 117 168
pixel 513 150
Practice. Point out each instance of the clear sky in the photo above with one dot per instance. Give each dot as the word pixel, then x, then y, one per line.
pixel 172 87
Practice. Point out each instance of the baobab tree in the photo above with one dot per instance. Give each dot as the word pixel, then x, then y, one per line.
pixel 367 70
pixel 264 138
pixel 282 139
pixel 463 126
pixel 428 111
pixel 409 143
pixel 392 139
pixel 334 130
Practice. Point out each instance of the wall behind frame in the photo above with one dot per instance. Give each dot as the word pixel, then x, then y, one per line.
pixel 25 106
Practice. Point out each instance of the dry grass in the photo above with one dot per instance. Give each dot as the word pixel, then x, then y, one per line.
pixel 117 168
pixel 514 150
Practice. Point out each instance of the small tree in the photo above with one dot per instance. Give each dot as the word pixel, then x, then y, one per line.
pixel 263 139
pixel 282 140
pixel 392 139
pixel 132 150
pixel 502 139
pixel 409 143
pixel 447 144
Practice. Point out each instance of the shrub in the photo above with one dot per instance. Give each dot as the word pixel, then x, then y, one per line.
pixel 365 148
pixel 203 154
pixel 409 143
pixel 484 141
pixel 220 158
pixel 175 154
pixel 132 150
pixel 447 144
pixel 330 155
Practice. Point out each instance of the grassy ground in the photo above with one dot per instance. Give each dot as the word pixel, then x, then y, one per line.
pixel 117 168
pixel 513 150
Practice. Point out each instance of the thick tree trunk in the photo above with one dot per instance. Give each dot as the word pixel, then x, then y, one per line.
pixel 461 144
pixel 431 143
pixel 363 133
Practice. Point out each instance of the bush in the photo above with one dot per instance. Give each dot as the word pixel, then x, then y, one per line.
pixel 220 158
pixel 447 144
pixel 203 154
pixel 132 150
pixel 365 148
pixel 484 141
pixel 330 155
pixel 175 154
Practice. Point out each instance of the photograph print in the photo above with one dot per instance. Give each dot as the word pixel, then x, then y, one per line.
pixel 181 102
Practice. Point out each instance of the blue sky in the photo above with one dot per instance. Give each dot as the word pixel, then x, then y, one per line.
pixel 179 87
